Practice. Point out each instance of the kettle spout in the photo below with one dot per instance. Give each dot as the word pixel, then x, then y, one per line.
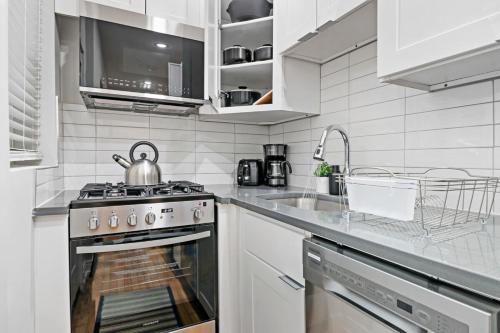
pixel 120 160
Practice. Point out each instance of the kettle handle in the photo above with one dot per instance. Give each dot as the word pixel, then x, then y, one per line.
pixel 145 143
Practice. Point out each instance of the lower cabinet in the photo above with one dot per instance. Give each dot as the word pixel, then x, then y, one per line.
pixel 271 302
pixel 261 285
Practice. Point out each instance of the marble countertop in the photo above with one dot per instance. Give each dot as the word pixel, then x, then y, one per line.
pixel 470 260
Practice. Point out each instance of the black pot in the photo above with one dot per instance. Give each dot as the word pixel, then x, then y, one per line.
pixel 265 52
pixel 244 10
pixel 236 54
pixel 241 96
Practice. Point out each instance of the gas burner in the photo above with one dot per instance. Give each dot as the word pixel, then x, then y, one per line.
pixel 105 191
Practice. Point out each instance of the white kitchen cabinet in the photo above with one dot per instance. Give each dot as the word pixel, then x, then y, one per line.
pixel 438 44
pixel 137 6
pixel 341 26
pixel 270 303
pixel 51 274
pixel 67 7
pixel 296 20
pixel 183 11
pixel 289 100
pixel 330 11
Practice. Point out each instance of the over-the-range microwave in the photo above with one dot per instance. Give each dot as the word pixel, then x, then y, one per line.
pixel 148 65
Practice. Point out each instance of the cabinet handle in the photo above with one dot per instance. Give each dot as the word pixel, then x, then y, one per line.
pixel 325 25
pixel 307 36
pixel 291 282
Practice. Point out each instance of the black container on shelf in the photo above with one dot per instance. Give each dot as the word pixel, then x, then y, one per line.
pixel 335 180
pixel 244 10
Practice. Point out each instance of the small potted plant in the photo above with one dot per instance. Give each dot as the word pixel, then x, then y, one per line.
pixel 322 173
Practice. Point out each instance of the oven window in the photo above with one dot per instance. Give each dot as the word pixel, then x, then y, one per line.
pixel 154 289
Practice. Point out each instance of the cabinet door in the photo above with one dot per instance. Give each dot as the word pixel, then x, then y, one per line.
pixel 413 33
pixel 183 11
pixel 212 34
pixel 329 11
pixel 67 7
pixel 138 6
pixel 270 302
pixel 295 20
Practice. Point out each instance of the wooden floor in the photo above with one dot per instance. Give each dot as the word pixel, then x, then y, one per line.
pixel 133 271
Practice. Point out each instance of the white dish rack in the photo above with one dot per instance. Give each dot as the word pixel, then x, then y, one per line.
pixel 439 199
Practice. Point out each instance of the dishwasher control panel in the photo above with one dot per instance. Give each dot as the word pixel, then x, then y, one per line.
pixel 319 267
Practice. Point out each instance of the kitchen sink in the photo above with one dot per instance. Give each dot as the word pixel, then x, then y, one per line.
pixel 321 202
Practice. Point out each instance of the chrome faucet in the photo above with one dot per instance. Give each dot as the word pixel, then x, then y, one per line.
pixel 319 153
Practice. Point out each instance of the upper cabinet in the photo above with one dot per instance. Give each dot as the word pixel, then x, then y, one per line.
pixel 297 21
pixel 281 88
pixel 321 30
pixel 433 45
pixel 184 11
pixel 137 6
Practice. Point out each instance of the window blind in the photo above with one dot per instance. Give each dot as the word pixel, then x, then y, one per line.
pixel 24 78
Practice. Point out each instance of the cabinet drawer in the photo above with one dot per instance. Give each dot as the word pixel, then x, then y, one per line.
pixel 274 242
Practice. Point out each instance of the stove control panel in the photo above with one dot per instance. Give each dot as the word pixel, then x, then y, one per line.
pixel 86 221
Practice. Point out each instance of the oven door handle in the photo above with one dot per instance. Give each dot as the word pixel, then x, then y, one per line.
pixel 141 245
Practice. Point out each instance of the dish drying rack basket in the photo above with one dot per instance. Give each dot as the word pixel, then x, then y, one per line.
pixel 441 202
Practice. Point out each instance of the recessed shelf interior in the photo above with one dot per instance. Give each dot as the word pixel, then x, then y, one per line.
pixel 250 34
pixel 254 75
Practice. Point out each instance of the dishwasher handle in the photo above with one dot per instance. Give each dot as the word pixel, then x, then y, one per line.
pixel 291 282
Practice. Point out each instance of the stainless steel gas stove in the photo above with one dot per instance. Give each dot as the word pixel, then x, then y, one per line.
pixel 109 209
pixel 143 258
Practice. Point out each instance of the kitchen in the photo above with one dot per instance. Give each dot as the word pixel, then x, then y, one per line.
pixel 164 166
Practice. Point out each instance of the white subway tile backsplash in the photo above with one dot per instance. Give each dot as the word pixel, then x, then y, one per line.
pixel 248 148
pixel 377 111
pixel 215 158
pixel 276 139
pixel 79 169
pixel 335 65
pixel 214 147
pixel 335 78
pixel 122 132
pixel 79 143
pixel 378 126
pixel 463 137
pixel 299 136
pixel 165 122
pixel 78 117
pixel 79 156
pixel 122 119
pixel 450 98
pixel 363 53
pixel 84 131
pixel 376 142
pixel 209 126
pixel 211 178
pixel 377 95
pixel 341 118
pixel 216 168
pixel 297 125
pixel 336 105
pixel 469 158
pixel 251 138
pixel 251 129
pixel 214 137
pixel 367 82
pixel 382 158
pixel 363 68
pixel 334 92
pixel 276 129
pixel 473 115
pixel 171 135
pixel 496 84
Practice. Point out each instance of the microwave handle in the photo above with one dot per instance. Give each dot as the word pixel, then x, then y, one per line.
pixel 338 290
pixel 141 245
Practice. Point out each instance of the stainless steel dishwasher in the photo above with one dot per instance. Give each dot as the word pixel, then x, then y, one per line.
pixel 351 292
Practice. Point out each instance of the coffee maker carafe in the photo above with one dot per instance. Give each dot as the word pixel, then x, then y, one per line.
pixel 276 167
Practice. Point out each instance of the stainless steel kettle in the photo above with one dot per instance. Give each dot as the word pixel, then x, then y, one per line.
pixel 143 171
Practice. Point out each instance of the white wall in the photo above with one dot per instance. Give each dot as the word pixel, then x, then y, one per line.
pixel 204 152
pixel 396 127
pixel 17 201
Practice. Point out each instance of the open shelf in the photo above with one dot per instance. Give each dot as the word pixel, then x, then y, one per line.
pixel 254 75
pixel 250 34
pixel 255 114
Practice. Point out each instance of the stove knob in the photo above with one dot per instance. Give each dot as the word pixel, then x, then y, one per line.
pixel 150 218
pixel 94 223
pixel 132 220
pixel 113 221
pixel 197 214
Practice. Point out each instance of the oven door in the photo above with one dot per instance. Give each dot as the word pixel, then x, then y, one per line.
pixel 339 310
pixel 154 281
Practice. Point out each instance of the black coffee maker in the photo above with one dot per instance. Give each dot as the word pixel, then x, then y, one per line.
pixel 276 167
